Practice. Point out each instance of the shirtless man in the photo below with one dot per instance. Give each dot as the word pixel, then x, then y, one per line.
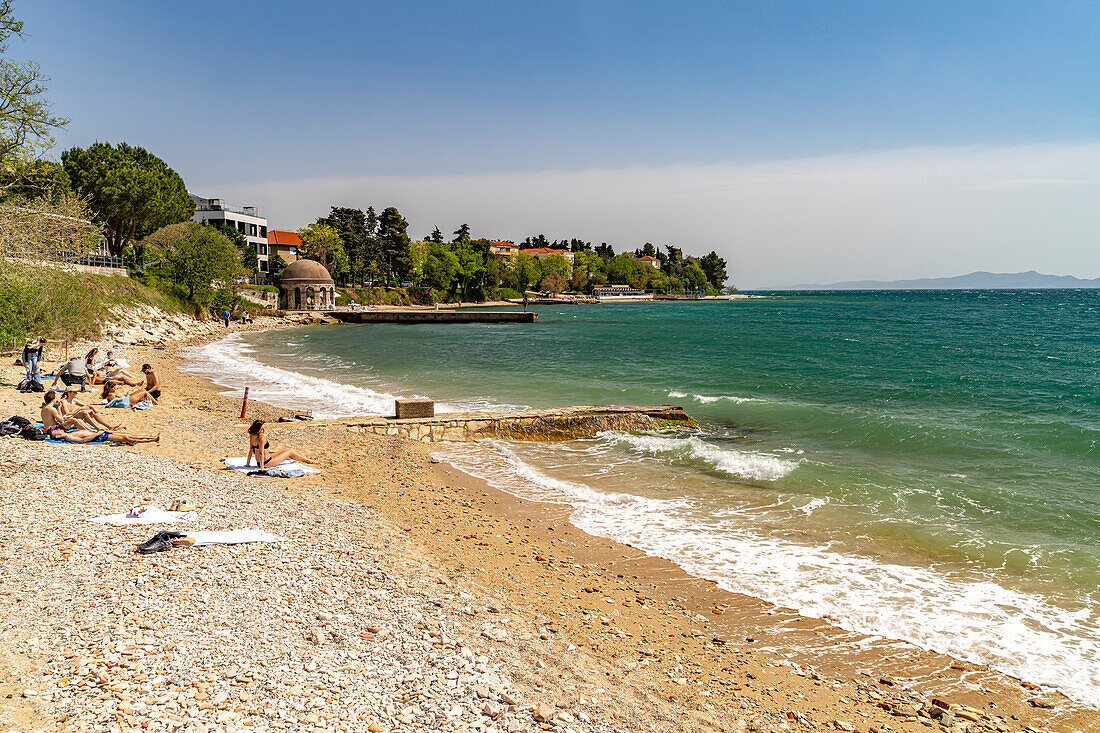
pixel 97 436
pixel 70 406
pixel 52 416
pixel 152 383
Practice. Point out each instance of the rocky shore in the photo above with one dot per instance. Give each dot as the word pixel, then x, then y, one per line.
pixel 406 596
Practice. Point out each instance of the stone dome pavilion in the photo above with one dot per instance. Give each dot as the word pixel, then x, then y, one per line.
pixel 299 278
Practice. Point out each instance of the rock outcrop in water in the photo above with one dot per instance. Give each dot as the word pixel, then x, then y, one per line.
pixel 566 423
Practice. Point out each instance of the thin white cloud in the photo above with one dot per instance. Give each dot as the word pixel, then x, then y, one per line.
pixel 881 215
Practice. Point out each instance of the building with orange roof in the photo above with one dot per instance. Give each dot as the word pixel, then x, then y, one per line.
pixel 651 261
pixel 283 243
pixel 543 252
pixel 504 249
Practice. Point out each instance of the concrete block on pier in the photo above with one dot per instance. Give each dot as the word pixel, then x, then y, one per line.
pixel 414 408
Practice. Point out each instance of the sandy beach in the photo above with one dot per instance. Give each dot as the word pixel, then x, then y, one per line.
pixel 406 596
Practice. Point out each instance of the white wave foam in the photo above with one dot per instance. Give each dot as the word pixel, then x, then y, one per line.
pixel 965 616
pixel 743 464
pixel 814 504
pixel 227 362
pixel 708 399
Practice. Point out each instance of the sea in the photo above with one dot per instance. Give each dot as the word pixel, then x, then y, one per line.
pixel 915 465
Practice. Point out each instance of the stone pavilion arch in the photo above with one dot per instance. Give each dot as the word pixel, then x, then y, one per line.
pixel 306 285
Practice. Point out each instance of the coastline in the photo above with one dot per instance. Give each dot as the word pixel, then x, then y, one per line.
pixel 640 626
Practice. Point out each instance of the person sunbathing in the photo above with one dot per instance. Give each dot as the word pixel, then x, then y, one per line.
pixel 126 379
pixel 258 447
pixel 51 416
pixel 70 406
pixel 112 368
pixel 99 436
pixel 114 399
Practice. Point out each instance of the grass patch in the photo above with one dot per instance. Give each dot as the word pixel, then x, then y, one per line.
pixel 57 304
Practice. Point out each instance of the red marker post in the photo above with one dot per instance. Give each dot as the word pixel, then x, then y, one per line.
pixel 244 404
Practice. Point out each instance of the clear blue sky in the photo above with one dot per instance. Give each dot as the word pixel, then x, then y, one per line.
pixel 248 92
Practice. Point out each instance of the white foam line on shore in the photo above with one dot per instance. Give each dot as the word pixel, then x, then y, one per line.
pixel 967 617
pixel 227 362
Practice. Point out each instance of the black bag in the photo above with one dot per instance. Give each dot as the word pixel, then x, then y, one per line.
pixel 19 420
pixel 9 428
pixel 34 433
pixel 28 385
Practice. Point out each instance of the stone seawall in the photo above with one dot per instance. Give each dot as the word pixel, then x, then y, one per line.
pixel 432 316
pixel 565 423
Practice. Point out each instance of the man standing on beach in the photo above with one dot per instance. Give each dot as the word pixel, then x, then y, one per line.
pixel 226 317
pixel 32 354
pixel 152 383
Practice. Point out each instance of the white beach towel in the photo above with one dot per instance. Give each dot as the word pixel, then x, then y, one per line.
pixel 234 537
pixel 237 464
pixel 152 515
pixel 119 363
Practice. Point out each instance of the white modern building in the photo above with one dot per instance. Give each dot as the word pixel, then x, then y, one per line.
pixel 245 219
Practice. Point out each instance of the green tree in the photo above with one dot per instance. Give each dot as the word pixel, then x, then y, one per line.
pixel 351 225
pixel 198 257
pixel 714 267
pixel 440 267
pixel 526 271
pixel 323 244
pixel 624 270
pixel 556 265
pixel 26 124
pixel 38 178
pixel 130 191
pixel 694 276
pixel 470 277
pixel 395 244
pixel 554 282
pixel 275 266
pixel 462 234
pixel 250 259
pixel 436 236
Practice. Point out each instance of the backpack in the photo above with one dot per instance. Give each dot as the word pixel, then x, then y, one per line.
pixel 19 420
pixel 34 433
pixel 28 385
pixel 9 428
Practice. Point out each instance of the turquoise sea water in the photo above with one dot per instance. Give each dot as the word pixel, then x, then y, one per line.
pixel 919 465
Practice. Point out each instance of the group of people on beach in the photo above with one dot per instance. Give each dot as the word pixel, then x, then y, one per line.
pixel 66 418
pixel 110 373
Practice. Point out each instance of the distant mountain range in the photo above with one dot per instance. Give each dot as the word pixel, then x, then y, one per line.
pixel 974 281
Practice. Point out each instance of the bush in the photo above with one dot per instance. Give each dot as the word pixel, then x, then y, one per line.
pixel 57 304
pixel 503 293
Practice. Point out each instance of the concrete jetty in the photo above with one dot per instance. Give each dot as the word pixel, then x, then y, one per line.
pixel 565 423
pixel 432 316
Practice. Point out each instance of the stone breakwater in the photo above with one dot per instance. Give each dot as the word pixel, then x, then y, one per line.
pixel 317 633
pixel 566 423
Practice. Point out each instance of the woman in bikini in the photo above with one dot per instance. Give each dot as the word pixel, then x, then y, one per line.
pixel 258 446
pixel 114 399
pixel 100 436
